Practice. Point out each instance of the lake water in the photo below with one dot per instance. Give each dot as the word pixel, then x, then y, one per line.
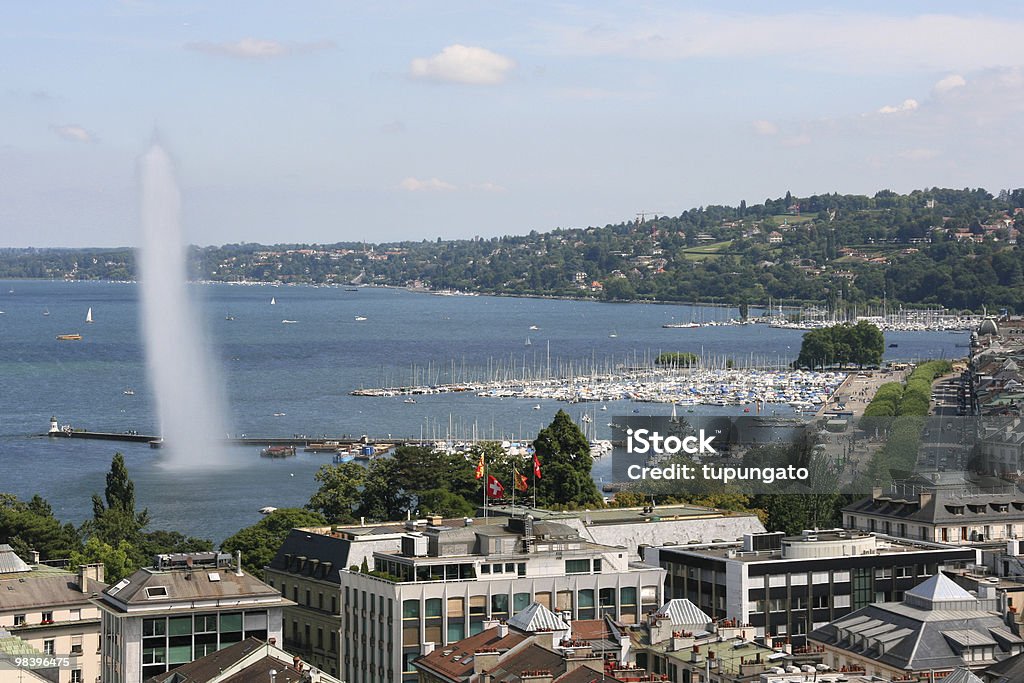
pixel 285 379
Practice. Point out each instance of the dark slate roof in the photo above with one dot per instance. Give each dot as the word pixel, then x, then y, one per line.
pixel 1007 671
pixel 585 674
pixel 210 667
pixel 533 657
pixel 903 636
pixel 204 668
pixel 331 553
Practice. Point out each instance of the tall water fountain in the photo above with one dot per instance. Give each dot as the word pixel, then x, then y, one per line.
pixel 185 382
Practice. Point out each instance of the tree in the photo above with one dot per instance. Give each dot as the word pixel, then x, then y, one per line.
pixel 564 454
pixel 116 559
pixel 339 492
pixel 32 526
pixel 116 520
pixel 260 541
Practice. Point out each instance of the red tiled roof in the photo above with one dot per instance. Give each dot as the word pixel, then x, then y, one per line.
pixel 455 661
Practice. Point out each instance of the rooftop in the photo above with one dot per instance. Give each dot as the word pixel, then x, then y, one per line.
pixel 178 580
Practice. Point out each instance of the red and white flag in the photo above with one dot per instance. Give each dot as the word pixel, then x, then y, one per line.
pixel 536 466
pixel 494 487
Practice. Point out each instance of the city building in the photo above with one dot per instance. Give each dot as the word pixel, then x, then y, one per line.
pixel 49 609
pixel 249 660
pixel 535 645
pixel 943 508
pixel 787 586
pixel 936 628
pixel 442 583
pixel 185 606
pixel 307 568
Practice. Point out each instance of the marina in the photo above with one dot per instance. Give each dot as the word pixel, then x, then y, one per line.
pixel 292 384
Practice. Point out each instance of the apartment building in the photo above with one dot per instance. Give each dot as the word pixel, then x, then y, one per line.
pixel 184 607
pixel 49 609
pixel 788 586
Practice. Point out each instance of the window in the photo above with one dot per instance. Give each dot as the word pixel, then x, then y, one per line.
pixel 47 617
pixel 585 604
pixel 19 619
pixel 76 645
pixel 48 647
pixel 485 569
pixel 520 601
pixel 577 566
pixel 433 607
pixel 76 676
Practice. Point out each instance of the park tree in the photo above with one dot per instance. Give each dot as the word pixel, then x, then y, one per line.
pixel 117 560
pixel 339 492
pixel 114 517
pixel 27 526
pixel 259 542
pixel 564 455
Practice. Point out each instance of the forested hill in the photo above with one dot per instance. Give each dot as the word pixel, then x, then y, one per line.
pixel 954 248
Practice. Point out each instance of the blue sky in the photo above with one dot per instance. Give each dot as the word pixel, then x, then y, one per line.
pixel 344 120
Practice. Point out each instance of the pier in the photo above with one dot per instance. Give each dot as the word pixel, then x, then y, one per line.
pixel 299 441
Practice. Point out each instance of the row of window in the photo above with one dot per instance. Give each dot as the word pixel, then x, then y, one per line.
pixel 46 617
pixel 308 594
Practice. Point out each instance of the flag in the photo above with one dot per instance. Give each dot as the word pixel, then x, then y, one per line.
pixel 494 487
pixel 521 483
pixel 480 467
pixel 536 466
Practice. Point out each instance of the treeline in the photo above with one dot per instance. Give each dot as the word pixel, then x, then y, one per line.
pixel 899 411
pixel 116 536
pixel 954 248
pixel 896 399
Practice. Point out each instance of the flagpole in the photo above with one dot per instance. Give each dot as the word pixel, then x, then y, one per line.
pixel 484 461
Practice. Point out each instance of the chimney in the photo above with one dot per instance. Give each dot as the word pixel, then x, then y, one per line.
pixel 428 647
pixel 502 629
pixel 434 520
pixel 33 557
pixel 238 563
pixel 485 661
pixel 87 574
pixel 542 676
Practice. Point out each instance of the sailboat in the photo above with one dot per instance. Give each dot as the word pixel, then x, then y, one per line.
pixel 46 311
pixel 273 301
pixel 88 315
pixel 528 342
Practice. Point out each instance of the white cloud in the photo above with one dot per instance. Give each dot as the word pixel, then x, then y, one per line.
pixel 762 127
pixel 950 82
pixel 463 64
pixel 73 133
pixel 411 184
pixel 907 105
pixel 255 48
